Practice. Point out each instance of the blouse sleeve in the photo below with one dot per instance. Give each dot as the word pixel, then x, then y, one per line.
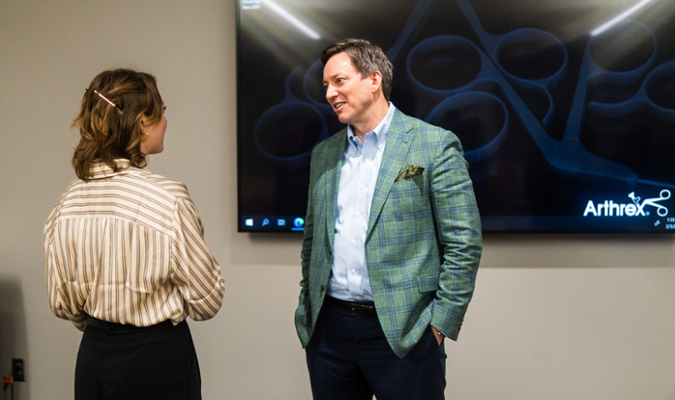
pixel 61 287
pixel 195 271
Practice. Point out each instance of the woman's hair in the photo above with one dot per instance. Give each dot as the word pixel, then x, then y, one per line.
pixel 366 58
pixel 110 119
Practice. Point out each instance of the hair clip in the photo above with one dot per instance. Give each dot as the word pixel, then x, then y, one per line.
pixel 104 98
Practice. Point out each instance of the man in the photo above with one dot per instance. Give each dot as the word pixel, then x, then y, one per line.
pixel 392 241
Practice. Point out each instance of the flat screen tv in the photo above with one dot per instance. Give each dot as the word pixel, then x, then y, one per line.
pixel 565 109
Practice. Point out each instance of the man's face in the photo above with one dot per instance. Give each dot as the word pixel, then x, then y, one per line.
pixel 350 94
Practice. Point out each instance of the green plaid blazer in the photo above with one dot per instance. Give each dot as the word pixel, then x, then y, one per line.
pixel 423 243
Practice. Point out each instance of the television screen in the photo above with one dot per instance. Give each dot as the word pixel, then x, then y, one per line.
pixel 565 109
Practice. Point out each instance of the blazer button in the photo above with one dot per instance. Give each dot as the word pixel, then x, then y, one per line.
pixel 323 288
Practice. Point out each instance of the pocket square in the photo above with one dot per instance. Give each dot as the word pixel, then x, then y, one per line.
pixel 409 171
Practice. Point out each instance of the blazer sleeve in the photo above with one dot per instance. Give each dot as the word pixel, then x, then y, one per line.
pixel 458 229
pixel 306 253
pixel 302 312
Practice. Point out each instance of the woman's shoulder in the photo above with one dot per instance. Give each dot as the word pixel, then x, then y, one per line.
pixel 170 186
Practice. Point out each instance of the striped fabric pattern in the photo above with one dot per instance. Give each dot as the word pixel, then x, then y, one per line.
pixel 128 247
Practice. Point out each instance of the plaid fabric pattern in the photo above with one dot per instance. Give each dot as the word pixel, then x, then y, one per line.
pixel 423 244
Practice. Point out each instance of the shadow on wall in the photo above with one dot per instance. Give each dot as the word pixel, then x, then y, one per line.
pixel 13 342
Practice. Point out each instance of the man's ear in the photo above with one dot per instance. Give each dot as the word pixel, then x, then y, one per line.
pixel 376 79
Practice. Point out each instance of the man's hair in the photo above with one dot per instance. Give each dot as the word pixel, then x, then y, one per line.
pixel 366 58
pixel 109 121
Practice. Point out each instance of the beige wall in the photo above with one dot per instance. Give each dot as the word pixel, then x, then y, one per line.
pixel 554 316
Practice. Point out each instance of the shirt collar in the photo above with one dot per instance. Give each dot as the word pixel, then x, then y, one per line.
pixel 100 170
pixel 380 130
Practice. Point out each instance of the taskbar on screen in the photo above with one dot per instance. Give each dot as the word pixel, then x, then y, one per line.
pixel 275 223
pixel 271 223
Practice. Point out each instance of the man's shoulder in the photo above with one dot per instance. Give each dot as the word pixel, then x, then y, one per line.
pixel 330 143
pixel 422 129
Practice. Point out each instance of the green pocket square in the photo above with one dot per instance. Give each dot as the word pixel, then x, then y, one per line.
pixel 409 171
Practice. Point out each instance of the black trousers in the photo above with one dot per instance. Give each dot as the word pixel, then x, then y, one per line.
pixel 126 362
pixel 349 358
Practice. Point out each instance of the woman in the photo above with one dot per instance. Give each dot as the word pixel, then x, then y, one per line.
pixel 125 256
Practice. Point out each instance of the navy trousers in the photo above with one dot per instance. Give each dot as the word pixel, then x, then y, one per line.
pixel 126 362
pixel 349 358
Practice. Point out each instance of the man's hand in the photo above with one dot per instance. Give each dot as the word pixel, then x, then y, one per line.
pixel 438 334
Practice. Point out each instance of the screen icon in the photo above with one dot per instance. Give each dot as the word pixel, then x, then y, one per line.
pixel 249 222
pixel 299 222
pixel 265 222
pixel 281 222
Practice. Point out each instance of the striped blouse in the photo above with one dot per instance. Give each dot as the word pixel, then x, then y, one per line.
pixel 128 247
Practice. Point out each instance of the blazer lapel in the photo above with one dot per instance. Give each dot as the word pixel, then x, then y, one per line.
pixel 399 137
pixel 333 167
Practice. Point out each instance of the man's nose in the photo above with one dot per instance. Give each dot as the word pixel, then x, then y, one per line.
pixel 330 92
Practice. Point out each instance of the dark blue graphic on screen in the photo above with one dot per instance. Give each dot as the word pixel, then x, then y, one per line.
pixel 565 110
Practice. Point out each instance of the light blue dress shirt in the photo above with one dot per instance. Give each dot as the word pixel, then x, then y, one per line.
pixel 349 274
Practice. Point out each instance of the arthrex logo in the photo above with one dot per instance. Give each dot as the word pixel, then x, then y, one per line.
pixel 635 209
